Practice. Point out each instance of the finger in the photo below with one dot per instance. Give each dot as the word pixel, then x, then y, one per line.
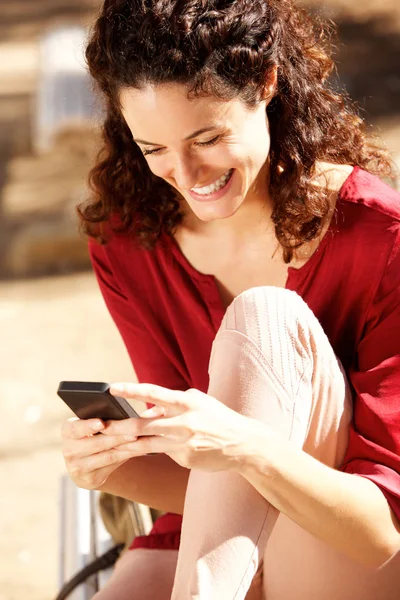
pixel 146 427
pixel 131 426
pixel 77 429
pixel 109 458
pixel 154 394
pixel 93 445
pixel 152 445
pixel 99 477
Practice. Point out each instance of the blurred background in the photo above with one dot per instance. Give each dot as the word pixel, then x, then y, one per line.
pixel 54 325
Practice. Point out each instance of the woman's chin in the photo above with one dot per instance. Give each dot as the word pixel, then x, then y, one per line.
pixel 215 211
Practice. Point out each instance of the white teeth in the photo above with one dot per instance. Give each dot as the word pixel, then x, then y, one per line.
pixel 214 187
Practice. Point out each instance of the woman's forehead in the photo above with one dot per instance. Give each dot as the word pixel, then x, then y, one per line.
pixel 167 106
pixel 154 95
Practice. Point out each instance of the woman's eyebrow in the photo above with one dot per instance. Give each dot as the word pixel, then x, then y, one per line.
pixel 189 137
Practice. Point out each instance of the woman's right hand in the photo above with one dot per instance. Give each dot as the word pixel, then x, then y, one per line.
pixel 90 458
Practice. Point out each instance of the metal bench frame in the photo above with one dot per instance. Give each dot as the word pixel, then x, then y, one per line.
pixel 83 537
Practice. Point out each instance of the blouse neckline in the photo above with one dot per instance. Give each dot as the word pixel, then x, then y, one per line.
pixel 293 272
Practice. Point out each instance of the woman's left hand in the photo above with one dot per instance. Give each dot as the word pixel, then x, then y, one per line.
pixel 194 429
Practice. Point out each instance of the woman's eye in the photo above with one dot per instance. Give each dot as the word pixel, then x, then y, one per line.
pixel 210 142
pixel 147 152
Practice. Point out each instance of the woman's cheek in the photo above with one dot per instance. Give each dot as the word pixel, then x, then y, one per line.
pixel 158 167
pixel 227 155
pixel 163 170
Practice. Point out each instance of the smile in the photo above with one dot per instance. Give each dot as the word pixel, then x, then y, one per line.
pixel 213 187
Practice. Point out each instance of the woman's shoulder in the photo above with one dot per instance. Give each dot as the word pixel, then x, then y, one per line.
pixel 364 230
pixel 124 253
pixel 357 186
pixel 365 210
pixel 362 188
pixel 368 222
pixel 365 220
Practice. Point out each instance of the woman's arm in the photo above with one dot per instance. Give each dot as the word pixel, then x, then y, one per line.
pixel 348 512
pixel 153 480
pixel 156 481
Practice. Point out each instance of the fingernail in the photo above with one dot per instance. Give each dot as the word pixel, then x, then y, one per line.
pixel 117 387
pixel 130 438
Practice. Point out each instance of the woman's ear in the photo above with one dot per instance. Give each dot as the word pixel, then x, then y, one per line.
pixel 271 83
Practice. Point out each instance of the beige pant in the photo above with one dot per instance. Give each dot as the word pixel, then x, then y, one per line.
pixel 271 361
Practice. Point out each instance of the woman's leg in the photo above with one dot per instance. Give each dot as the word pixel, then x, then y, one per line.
pixel 271 361
pixel 141 574
pixel 148 574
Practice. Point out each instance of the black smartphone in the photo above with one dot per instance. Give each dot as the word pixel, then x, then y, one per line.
pixel 92 400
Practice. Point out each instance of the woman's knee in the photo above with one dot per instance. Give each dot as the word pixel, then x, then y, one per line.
pixel 272 360
pixel 276 320
pixel 266 304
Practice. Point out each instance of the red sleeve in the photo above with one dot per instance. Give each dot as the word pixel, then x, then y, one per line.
pixel 150 364
pixel 374 445
pixel 149 361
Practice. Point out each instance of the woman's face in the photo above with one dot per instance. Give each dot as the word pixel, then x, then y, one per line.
pixel 213 152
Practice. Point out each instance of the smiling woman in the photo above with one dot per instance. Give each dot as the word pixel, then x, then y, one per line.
pixel 250 258
pixel 214 174
pixel 229 51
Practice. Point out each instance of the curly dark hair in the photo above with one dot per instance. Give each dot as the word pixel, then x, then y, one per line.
pixel 224 48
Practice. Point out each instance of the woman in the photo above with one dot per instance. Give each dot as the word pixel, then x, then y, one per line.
pixel 250 258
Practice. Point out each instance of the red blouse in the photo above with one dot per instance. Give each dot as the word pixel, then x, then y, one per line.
pixel 168 314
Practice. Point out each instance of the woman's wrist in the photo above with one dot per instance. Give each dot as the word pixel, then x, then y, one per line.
pixel 259 450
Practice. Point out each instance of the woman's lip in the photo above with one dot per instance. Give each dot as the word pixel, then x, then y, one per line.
pixel 215 195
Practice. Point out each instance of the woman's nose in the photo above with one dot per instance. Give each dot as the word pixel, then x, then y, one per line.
pixel 185 172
